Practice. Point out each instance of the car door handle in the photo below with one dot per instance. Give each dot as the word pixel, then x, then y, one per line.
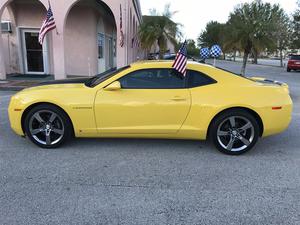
pixel 178 98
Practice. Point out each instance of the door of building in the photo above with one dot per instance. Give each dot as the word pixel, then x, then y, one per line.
pixel 34 55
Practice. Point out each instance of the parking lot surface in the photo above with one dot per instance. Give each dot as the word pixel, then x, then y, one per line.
pixel 124 181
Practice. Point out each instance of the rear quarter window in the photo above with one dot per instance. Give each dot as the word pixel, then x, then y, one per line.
pixel 198 79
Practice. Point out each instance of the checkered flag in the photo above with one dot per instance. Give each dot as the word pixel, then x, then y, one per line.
pixel 215 51
pixel 204 53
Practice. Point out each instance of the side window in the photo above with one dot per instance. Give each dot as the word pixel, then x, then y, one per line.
pixel 153 79
pixel 197 79
pixel 115 47
pixel 100 45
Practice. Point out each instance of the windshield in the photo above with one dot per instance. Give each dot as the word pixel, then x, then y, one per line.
pixel 94 81
pixel 295 57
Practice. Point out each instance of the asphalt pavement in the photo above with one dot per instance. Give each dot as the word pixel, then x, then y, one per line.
pixel 137 181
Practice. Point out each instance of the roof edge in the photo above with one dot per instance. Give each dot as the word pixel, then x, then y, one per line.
pixel 137 7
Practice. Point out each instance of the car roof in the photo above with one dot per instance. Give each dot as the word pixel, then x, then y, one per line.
pixel 218 74
pixel 164 64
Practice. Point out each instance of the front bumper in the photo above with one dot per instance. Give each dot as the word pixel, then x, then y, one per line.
pixel 15 112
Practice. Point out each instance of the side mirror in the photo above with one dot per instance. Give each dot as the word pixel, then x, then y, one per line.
pixel 115 86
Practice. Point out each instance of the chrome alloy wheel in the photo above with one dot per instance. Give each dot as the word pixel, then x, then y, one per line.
pixel 46 127
pixel 235 133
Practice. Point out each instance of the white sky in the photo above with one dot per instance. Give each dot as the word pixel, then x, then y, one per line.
pixel 194 14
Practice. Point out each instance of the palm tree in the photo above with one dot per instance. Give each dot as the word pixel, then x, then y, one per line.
pixel 213 34
pixel 252 26
pixel 295 44
pixel 282 32
pixel 159 29
pixel 229 45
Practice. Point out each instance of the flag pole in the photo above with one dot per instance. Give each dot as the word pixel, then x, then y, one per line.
pixel 55 25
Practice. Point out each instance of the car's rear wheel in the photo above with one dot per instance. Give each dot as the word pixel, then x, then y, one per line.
pixel 234 132
pixel 47 126
pixel 288 70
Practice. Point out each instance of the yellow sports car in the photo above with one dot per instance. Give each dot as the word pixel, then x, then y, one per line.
pixel 151 100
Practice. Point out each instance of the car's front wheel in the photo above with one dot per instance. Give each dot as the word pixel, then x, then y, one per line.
pixel 234 132
pixel 47 126
pixel 288 70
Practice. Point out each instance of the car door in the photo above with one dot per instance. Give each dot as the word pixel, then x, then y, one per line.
pixel 150 101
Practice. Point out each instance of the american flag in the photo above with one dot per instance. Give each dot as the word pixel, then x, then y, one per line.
pixel 181 59
pixel 48 25
pixel 135 42
pixel 121 28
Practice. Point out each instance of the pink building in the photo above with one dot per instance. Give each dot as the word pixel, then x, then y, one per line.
pixel 87 40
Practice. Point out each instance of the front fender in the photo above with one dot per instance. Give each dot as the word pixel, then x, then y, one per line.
pixel 78 105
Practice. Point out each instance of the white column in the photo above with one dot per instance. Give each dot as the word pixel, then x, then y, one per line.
pixel 2 57
pixel 2 60
pixel 58 46
pixel 121 51
pixel 58 55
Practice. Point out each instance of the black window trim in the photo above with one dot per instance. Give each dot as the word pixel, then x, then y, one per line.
pixel 212 81
pixel 186 79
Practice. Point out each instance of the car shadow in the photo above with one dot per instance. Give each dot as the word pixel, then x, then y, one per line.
pixel 134 145
pixel 274 145
pixel 139 144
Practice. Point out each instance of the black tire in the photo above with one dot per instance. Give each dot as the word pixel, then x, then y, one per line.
pixel 38 125
pixel 239 140
pixel 288 70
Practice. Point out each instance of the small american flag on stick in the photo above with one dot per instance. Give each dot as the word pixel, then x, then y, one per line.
pixel 121 28
pixel 135 42
pixel 48 25
pixel 181 59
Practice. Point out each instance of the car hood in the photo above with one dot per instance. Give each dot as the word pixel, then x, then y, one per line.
pixel 65 81
pixel 58 84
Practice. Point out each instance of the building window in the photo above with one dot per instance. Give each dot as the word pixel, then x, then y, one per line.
pixel 100 45
pixel 114 47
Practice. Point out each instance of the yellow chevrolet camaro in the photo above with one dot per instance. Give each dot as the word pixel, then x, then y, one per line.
pixel 151 100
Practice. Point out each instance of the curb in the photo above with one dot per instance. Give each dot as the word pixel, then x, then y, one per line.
pixel 12 88
pixel 13 85
pixel 258 64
